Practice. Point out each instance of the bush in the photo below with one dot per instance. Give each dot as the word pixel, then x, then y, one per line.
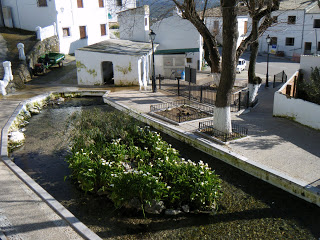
pixel 310 91
pixel 113 154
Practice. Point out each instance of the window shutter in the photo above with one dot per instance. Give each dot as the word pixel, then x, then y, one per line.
pixel 80 3
pixel 83 32
pixel 103 29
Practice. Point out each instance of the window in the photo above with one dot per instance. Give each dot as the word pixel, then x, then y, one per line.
pixel 318 46
pixel 275 19
pixel 83 32
pixel 103 29
pixel 245 28
pixel 289 41
pixel 42 3
pixel 216 27
pixel 119 3
pixel 189 60
pixel 291 19
pixel 80 3
pixel 146 22
pixel 101 3
pixel 316 23
pixel 66 32
pixel 274 41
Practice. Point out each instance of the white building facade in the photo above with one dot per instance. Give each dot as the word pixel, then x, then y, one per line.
pixel 297 31
pixel 214 22
pixel 180 45
pixel 114 61
pixel 116 6
pixel 79 22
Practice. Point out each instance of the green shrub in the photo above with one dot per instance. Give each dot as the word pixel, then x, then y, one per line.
pixel 111 154
pixel 310 91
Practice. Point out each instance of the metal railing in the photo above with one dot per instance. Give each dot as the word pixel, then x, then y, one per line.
pixel 279 78
pixel 237 131
pixel 203 93
pixel 199 110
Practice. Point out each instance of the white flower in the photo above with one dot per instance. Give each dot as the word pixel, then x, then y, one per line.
pixel 111 185
pixel 168 187
pixel 201 173
pixel 90 170
pixel 202 183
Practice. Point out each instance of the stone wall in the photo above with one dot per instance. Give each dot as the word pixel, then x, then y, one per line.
pixel 22 73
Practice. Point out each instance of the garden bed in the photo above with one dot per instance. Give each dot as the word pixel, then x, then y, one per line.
pixel 181 111
pixel 207 130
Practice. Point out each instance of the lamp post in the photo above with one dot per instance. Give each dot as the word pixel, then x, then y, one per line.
pixel 268 39
pixel 152 36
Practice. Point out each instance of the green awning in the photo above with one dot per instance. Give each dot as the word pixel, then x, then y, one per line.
pixel 177 51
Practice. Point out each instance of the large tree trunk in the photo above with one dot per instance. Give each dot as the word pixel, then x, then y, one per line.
pixel 222 115
pixel 254 82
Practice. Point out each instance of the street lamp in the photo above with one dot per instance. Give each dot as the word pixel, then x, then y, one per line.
pixel 152 36
pixel 268 39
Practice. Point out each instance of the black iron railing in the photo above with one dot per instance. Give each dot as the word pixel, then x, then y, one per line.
pixel 279 78
pixel 208 129
pixel 204 93
pixel 185 110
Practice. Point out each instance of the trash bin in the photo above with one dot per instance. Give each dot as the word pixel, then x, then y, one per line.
pixel 182 75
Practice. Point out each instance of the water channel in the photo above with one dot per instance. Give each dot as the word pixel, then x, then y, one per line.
pixel 249 208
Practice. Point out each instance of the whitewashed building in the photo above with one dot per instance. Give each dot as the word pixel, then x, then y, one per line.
pixel 297 31
pixel 213 20
pixel 118 62
pixel 116 6
pixel 78 22
pixel 179 41
pixel 180 45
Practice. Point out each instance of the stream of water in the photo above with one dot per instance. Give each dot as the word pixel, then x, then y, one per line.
pixel 249 208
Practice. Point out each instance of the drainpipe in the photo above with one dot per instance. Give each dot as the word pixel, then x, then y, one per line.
pixel 1 15
pixel 304 19
pixel 18 14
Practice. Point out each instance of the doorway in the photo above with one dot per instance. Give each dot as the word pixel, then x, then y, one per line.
pixel 107 72
pixel 307 48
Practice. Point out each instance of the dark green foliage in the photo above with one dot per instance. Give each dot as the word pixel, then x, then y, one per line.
pixel 310 91
pixel 111 154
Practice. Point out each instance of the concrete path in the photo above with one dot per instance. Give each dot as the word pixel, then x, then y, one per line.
pixel 282 146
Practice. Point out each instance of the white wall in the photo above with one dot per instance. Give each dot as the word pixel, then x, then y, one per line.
pixel 304 112
pixel 307 62
pixel 133 24
pixel 65 13
pixel 89 68
pixel 70 16
pixel 209 21
pixel 282 30
pixel 27 15
pixel 113 9
pixel 176 33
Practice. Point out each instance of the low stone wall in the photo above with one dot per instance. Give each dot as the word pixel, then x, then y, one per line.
pixel 299 110
pixel 23 72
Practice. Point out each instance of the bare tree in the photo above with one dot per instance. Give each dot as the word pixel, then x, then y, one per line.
pixel 189 9
pixel 259 10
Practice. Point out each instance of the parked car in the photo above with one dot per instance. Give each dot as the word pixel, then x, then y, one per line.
pixel 241 65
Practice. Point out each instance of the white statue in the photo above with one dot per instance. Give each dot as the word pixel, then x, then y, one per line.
pixel 20 47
